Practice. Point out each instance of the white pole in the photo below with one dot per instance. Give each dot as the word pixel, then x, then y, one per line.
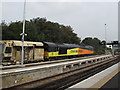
pixel 23 34
pixel 105 40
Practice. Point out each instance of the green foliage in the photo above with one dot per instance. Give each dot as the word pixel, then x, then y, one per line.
pixel 39 29
pixel 12 31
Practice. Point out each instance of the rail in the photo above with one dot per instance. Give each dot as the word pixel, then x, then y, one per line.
pixel 62 81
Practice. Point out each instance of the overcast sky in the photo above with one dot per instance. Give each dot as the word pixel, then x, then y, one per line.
pixel 86 18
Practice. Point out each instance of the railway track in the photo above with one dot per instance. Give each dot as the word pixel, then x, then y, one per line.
pixel 66 79
pixel 45 63
pixel 77 77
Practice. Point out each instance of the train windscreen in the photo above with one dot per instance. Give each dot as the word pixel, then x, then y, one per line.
pixel 8 50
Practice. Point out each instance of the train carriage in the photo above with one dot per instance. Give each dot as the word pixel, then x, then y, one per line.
pixel 12 49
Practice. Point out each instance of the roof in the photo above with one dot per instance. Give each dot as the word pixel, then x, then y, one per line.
pixel 26 43
pixel 72 45
pixel 50 44
pixel 62 45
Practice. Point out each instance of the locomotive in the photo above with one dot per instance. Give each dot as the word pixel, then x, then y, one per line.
pixel 40 51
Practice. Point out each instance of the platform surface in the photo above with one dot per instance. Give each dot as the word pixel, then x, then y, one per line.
pixel 99 79
pixel 46 66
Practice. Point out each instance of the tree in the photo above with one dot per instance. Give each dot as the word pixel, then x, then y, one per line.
pixel 39 29
pixel 96 43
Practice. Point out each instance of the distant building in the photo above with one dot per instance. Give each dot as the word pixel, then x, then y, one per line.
pixel 113 44
pixel 109 46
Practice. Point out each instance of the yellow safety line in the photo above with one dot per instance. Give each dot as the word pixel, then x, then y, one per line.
pixel 104 80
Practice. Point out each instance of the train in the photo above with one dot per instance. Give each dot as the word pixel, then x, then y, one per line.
pixel 40 51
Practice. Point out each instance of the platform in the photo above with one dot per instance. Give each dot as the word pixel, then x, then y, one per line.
pixel 99 79
pixel 13 77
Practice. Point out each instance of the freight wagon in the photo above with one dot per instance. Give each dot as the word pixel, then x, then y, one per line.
pixel 11 51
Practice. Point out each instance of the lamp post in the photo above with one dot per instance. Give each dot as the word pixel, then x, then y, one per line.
pixel 23 34
pixel 105 40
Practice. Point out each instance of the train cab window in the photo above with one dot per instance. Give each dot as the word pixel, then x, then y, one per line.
pixel 56 49
pixel 49 49
pixel 52 49
pixel 8 50
pixel 62 50
pixel 46 48
pixel 18 48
